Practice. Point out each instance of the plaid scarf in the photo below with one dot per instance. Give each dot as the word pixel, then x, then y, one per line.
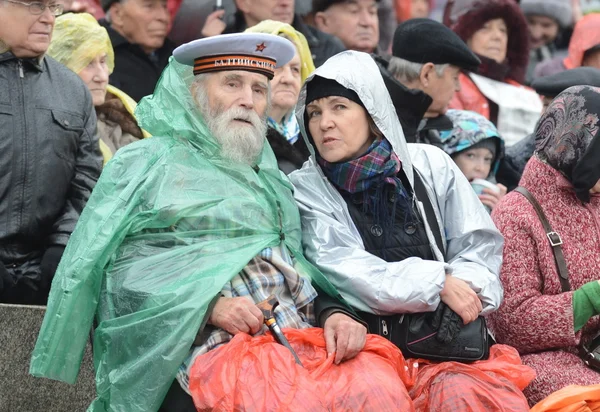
pixel 380 165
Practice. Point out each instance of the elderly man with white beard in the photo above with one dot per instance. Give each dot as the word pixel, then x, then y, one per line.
pixel 184 233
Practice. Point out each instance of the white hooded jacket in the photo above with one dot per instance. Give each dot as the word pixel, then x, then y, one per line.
pixel 332 242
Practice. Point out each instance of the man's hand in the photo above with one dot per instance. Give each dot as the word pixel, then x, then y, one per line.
pixel 490 197
pixel 214 24
pixel 236 315
pixel 344 336
pixel 461 299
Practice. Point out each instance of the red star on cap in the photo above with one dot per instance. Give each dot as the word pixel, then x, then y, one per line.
pixel 261 47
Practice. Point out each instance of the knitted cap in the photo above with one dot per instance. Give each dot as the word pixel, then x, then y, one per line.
pixel 320 87
pixel 559 10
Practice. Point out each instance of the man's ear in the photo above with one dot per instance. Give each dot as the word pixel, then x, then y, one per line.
pixel 116 14
pixel 427 71
pixel 243 5
pixel 321 20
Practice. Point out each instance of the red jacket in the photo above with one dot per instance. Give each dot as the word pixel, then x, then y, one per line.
pixel 536 317
pixel 470 98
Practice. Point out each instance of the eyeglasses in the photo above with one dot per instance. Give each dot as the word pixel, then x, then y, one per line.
pixel 37 8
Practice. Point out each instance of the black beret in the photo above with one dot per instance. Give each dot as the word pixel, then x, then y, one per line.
pixel 552 86
pixel 427 41
pixel 322 5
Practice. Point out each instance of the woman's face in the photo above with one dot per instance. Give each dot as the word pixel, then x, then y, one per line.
pixel 491 40
pixel 95 76
pixel 542 30
pixel 339 127
pixel 285 88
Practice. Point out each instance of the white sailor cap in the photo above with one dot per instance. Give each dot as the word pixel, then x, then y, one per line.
pixel 255 52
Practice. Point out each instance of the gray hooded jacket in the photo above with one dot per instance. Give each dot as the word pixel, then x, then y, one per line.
pixel 332 242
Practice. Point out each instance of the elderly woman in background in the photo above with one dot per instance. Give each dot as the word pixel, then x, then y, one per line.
pixel 547 320
pixel 283 133
pixel 496 30
pixel 82 45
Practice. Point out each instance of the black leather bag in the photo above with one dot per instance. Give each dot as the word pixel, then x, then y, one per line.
pixel 415 334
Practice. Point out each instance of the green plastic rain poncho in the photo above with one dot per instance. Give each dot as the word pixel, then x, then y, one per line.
pixel 168 224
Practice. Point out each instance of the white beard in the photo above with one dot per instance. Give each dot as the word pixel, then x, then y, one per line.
pixel 240 142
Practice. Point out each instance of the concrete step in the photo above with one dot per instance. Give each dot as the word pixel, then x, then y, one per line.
pixel 21 392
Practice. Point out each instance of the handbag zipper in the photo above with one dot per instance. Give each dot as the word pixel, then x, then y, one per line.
pixel 384 327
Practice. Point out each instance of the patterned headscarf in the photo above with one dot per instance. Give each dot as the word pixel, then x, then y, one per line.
pixel 566 137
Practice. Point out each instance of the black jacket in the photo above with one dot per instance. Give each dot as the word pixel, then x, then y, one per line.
pixel 289 156
pixel 322 45
pixel 49 157
pixel 410 104
pixel 136 73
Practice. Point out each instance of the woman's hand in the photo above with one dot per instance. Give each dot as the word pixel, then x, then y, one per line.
pixel 461 299
pixel 490 197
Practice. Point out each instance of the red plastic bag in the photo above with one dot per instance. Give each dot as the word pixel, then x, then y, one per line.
pixel 571 398
pixel 495 384
pixel 257 374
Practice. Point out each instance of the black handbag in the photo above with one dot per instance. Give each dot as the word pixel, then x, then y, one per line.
pixel 590 353
pixel 415 334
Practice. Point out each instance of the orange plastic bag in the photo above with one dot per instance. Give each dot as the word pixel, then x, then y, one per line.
pixel 571 398
pixel 258 374
pixel 495 384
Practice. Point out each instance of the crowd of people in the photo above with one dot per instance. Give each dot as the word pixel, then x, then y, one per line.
pixel 367 163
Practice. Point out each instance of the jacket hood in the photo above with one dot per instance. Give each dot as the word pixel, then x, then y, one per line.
pixel 585 36
pixel 471 15
pixel 469 129
pixel 172 111
pixel 357 71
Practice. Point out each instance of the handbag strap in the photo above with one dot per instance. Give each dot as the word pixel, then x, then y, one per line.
pixel 553 237
pixel 421 193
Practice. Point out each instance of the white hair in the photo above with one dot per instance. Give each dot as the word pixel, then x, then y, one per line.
pixel 242 144
pixel 407 72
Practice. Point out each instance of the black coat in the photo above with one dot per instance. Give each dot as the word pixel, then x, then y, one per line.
pixel 49 159
pixel 289 156
pixel 410 104
pixel 322 45
pixel 136 73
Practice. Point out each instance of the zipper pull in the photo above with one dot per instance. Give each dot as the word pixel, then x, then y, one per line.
pixel 384 327
pixel 20 65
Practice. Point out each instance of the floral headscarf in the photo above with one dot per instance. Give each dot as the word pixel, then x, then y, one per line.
pixel 566 137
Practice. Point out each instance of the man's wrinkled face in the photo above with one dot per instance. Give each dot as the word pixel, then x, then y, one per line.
pixel 442 89
pixel 141 22
pixel 256 11
pixel 355 22
pixel 25 34
pixel 234 106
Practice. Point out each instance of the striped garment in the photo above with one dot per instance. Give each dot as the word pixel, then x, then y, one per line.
pixel 270 273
